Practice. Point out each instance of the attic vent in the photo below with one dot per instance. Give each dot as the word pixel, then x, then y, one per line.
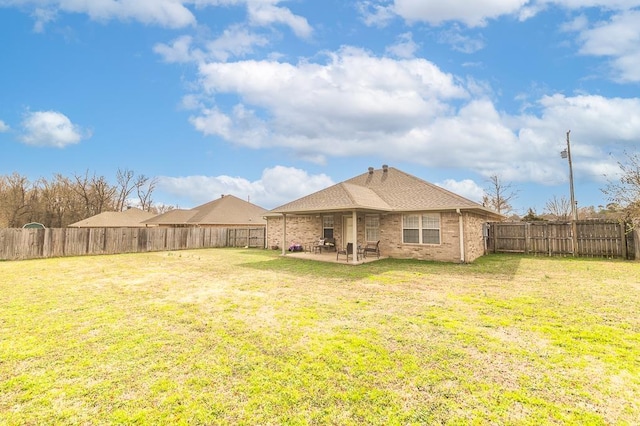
pixel 385 168
pixel 370 170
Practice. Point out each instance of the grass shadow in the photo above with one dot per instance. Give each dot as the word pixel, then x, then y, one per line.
pixel 502 266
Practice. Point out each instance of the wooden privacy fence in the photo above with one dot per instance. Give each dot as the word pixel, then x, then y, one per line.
pixel 577 238
pixel 246 237
pixel 24 243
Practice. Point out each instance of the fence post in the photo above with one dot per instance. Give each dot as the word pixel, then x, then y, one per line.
pixel 493 236
pixel 574 237
pixel 623 239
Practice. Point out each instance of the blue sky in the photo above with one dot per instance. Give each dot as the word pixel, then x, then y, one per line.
pixel 271 100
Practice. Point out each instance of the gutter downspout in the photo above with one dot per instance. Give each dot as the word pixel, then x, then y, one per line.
pixel 284 234
pixel 461 227
pixel 266 233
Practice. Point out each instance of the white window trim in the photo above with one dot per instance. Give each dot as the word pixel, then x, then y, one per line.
pixel 421 228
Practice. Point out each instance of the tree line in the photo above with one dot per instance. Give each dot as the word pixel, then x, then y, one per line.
pixel 61 200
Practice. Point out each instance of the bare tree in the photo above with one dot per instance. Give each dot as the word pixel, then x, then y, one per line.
pixel 144 188
pixel 16 200
pixel 125 187
pixel 59 202
pixel 559 208
pixel 95 192
pixel 625 192
pixel 498 195
pixel 162 208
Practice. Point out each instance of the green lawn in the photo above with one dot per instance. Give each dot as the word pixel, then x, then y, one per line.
pixel 226 336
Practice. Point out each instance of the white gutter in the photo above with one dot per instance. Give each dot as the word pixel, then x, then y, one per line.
pixel 461 226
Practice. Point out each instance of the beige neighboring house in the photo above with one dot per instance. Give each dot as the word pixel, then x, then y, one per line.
pixel 130 218
pixel 411 218
pixel 227 211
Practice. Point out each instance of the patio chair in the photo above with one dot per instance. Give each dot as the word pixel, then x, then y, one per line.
pixel 372 248
pixel 348 251
pixel 330 244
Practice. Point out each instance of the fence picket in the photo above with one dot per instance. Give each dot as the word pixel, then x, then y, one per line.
pixel 581 238
pixel 30 243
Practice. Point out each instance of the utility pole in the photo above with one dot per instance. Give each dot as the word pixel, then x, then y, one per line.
pixel 567 154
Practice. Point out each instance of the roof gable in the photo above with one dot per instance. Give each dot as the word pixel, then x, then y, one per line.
pixel 130 218
pixel 226 210
pixel 386 189
pixel 403 191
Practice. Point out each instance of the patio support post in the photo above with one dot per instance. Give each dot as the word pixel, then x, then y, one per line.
pixel 354 237
pixel 284 234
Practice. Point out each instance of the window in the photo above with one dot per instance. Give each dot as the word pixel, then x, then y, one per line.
pixel 411 229
pixel 371 228
pixel 421 228
pixel 327 226
pixel 431 228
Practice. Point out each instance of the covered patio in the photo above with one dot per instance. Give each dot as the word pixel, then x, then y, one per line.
pixel 330 257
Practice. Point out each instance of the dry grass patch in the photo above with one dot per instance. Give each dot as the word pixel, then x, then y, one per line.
pixel 246 337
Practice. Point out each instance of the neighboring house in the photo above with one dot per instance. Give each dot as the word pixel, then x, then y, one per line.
pixel 130 218
pixel 227 211
pixel 412 218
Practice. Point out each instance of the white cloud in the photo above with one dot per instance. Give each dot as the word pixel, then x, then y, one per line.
pixel 599 126
pixel 460 42
pixel 213 122
pixel 179 51
pixel 50 128
pixel 473 14
pixel 594 118
pixel 466 188
pixel 265 13
pixel 581 4
pixel 405 47
pixel 619 39
pixel 42 17
pixel 274 188
pixel 344 106
pixel 4 127
pixel 236 41
pixel 407 109
pixel 166 13
pixel 375 14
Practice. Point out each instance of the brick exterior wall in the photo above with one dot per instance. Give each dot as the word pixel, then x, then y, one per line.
pixel 300 230
pixel 473 236
pixel 306 230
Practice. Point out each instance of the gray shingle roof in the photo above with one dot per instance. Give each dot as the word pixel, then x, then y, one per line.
pixel 226 210
pixel 383 189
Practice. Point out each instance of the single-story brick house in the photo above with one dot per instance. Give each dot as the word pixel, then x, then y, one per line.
pixel 412 218
pixel 227 211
